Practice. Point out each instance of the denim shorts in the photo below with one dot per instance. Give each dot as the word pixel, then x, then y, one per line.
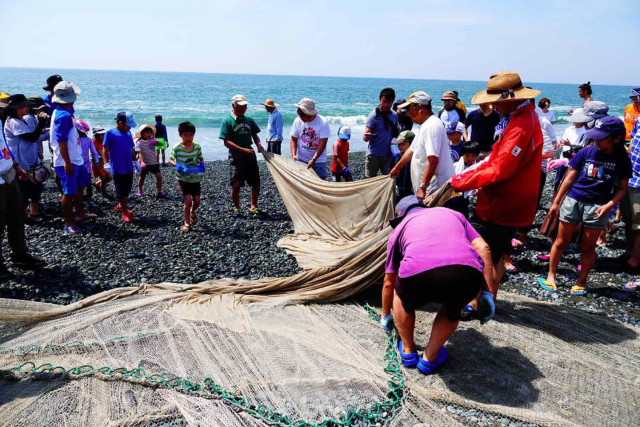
pixel 573 211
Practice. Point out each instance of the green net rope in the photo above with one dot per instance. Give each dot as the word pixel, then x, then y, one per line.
pixel 376 413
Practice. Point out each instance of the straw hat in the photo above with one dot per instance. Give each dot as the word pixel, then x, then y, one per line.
pixel 269 103
pixel 143 127
pixel 504 86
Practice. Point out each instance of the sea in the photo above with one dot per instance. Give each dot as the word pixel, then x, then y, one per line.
pixel 205 99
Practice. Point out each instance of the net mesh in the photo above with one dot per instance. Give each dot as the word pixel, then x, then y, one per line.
pixel 236 353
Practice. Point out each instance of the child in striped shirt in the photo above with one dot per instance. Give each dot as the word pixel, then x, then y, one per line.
pixel 187 158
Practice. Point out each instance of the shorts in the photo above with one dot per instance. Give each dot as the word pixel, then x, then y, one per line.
pixel 31 191
pixel 147 169
pixel 373 164
pixel 123 183
pixel 573 211
pixel 341 176
pixel 244 169
pixel 498 237
pixel 71 184
pixel 189 188
pixel 452 285
pixel 319 168
pixel 162 145
pixel 633 207
pixel 274 147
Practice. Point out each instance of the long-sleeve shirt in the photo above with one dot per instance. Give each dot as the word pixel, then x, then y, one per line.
pixel 274 127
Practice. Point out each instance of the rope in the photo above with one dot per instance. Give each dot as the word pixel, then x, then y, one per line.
pixel 377 413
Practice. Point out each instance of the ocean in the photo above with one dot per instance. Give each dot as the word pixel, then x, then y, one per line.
pixel 204 99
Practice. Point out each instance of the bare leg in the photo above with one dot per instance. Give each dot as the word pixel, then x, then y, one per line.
pixel 194 206
pixel 77 199
pixel 235 194
pixel 565 231
pixel 34 208
pixel 159 183
pixel 255 192
pixel 406 323
pixel 588 249
pixel 188 201
pixel 67 210
pixel 440 332
pixel 498 272
pixel 141 181
pixel 123 203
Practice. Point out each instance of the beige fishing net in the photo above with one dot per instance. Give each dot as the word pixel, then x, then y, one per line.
pixel 284 351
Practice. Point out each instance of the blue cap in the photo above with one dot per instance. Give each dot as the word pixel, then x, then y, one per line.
pixel 635 92
pixel 404 206
pixel 344 132
pixel 606 126
pixel 127 118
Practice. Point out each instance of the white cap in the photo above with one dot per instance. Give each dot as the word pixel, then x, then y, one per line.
pixel 344 132
pixel 454 126
pixel 420 97
pixel 239 100
pixel 308 106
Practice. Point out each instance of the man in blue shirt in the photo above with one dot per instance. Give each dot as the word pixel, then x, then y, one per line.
pixel 381 128
pixel 274 127
pixel 118 155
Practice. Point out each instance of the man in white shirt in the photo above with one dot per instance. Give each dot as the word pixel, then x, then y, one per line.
pixel 431 164
pixel 309 135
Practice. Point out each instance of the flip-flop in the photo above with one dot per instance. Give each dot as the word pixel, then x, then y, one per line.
pixel 469 313
pixel 632 286
pixel 408 360
pixel 578 291
pixel 547 286
pixel 543 257
pixel 72 230
pixel 429 368
pixel 194 219
pixel 511 269
pixel 254 211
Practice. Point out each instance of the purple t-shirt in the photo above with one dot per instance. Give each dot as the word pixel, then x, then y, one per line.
pixel 431 238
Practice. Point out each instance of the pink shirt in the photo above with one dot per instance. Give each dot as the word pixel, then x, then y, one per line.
pixel 431 238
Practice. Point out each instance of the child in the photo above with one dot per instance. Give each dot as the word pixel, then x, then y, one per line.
pixel 597 179
pixel 403 181
pixel 162 138
pixel 98 168
pixel 469 154
pixel 89 155
pixel 187 158
pixel 118 157
pixel 455 130
pixel 145 147
pixel 340 160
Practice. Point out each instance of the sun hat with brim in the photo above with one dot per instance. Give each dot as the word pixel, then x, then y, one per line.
pixel 98 130
pixel 504 86
pixel 308 106
pixel 404 206
pixel 52 81
pixel 65 93
pixel 420 97
pixel 239 100
pixel 344 132
pixel 82 126
pixel 591 111
pixel 607 126
pixel 143 127
pixel 449 96
pixel 270 103
pixel 36 102
pixel 18 101
pixel 405 136
pixel 635 92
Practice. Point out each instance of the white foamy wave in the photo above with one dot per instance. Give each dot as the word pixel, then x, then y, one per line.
pixel 347 120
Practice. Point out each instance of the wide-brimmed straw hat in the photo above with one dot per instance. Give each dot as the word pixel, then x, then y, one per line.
pixel 270 103
pixel 143 127
pixel 504 86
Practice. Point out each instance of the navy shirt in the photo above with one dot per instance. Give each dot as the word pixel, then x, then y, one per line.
pixel 120 146
pixel 161 131
pixel 403 181
pixel 482 128
pixel 380 145
pixel 598 174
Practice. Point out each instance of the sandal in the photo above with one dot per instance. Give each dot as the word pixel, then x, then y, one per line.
pixel 517 244
pixel 186 228
pixel 429 368
pixel 469 313
pixel 632 286
pixel 547 286
pixel 254 211
pixel 408 360
pixel 578 291
pixel 72 230
pixel 87 217
pixel 544 257
pixel 511 268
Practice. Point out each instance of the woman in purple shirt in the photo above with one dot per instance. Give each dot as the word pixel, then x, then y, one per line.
pixel 433 255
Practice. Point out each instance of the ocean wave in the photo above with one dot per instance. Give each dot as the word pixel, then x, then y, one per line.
pixel 347 120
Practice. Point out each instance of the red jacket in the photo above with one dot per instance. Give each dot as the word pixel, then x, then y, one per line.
pixel 509 181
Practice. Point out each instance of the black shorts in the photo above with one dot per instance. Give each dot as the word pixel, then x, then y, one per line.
pixel 498 237
pixel 31 191
pixel 123 183
pixel 244 169
pixel 274 147
pixel 189 188
pixel 452 285
pixel 154 169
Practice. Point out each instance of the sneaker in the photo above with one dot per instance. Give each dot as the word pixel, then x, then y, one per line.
pixel 139 193
pixel 26 261
pixel 118 208
pixel 161 195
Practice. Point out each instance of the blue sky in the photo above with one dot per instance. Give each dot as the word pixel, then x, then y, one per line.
pixel 544 40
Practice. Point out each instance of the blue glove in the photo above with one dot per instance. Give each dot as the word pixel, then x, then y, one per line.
pixel 486 307
pixel 387 323
pixel 345 170
pixel 180 167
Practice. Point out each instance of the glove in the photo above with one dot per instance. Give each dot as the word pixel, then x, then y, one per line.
pixel 387 323
pixel 486 307
pixel 556 163
pixel 107 168
pixel 180 167
pixel 345 170
pixel 136 166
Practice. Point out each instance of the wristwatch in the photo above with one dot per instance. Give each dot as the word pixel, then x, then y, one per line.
pixel 423 186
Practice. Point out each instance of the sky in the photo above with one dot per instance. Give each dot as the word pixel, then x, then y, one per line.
pixel 544 40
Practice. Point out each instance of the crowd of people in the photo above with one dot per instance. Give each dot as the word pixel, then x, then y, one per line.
pixel 500 154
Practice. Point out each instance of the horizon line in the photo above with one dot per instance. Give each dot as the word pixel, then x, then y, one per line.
pixel 283 75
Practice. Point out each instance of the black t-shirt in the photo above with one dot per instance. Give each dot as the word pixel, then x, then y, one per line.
pixel 482 128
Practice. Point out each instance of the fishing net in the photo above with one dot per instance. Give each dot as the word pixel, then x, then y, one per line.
pixel 284 351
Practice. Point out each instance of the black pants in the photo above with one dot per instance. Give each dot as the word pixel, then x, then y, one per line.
pixel 274 147
pixel 12 218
